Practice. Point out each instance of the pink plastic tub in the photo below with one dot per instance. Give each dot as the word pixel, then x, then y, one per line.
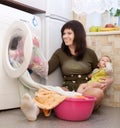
pixel 75 109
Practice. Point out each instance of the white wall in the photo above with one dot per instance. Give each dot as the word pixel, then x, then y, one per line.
pixel 94 19
pixel 40 4
pixel 62 8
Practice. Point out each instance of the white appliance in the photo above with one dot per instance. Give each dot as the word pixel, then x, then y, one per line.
pixel 47 27
pixel 26 25
pixel 57 13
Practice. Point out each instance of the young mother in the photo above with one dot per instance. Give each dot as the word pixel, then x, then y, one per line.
pixel 76 62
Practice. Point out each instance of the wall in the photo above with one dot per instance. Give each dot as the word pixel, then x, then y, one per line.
pixel 40 4
pixel 109 44
pixel 93 19
pixel 62 8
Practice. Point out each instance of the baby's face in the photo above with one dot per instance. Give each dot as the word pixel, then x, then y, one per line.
pixel 103 61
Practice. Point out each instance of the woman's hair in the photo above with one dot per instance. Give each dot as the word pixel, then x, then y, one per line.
pixel 79 39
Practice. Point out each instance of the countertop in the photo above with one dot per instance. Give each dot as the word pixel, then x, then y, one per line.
pixel 103 33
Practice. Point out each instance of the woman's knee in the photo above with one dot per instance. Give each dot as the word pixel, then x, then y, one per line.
pixel 99 94
pixel 96 92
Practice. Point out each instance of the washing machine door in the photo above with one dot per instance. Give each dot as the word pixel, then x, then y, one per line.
pixel 17 50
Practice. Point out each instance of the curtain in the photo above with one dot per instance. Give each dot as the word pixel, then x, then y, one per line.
pixel 90 6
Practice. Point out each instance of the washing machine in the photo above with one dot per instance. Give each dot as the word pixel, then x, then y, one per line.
pixel 17 28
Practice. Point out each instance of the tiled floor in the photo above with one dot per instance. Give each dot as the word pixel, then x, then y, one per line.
pixel 106 117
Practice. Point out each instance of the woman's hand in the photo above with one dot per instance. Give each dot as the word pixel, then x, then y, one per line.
pixel 103 84
pixel 106 82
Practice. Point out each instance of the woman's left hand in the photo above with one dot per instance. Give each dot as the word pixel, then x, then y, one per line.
pixel 106 82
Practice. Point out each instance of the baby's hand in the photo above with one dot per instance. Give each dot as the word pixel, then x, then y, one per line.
pixel 83 87
pixel 109 68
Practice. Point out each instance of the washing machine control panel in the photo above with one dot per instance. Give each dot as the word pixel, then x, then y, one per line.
pixel 34 21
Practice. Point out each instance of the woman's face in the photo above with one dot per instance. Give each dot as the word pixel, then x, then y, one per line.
pixel 68 37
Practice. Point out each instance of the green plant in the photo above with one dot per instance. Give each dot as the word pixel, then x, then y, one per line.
pixel 111 12
pixel 117 12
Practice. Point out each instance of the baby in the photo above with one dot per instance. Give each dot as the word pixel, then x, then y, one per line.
pixel 104 69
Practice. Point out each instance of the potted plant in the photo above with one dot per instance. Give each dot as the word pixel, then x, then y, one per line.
pixel 117 14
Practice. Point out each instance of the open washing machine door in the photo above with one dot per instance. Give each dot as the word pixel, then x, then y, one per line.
pixel 18 47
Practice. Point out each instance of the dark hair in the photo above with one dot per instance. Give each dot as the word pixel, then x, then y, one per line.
pixel 79 40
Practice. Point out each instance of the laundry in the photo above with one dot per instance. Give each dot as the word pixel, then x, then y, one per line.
pixel 38 63
pixel 46 96
pixel 47 100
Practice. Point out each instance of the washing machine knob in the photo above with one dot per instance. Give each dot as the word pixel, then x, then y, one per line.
pixel 34 22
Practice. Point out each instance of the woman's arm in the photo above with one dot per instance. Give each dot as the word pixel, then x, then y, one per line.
pixel 54 62
pixel 103 84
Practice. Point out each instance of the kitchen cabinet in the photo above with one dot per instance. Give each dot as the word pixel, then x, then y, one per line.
pixel 23 6
pixel 108 43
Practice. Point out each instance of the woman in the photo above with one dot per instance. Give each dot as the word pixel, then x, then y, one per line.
pixel 76 62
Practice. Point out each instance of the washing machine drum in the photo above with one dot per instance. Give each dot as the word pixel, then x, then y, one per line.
pixel 17 50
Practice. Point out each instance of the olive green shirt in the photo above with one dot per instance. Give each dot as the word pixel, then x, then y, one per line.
pixel 74 72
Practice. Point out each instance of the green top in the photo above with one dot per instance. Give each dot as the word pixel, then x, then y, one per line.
pixel 74 72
